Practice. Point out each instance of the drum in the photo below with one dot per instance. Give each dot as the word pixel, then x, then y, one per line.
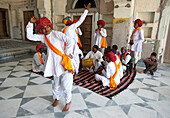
pixel 87 62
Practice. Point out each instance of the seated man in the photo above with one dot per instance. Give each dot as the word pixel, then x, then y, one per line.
pixel 110 75
pixel 125 59
pixel 95 57
pixel 114 50
pixel 39 59
pixel 151 64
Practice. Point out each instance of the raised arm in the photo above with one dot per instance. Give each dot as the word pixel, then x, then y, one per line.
pixel 82 18
pixel 29 31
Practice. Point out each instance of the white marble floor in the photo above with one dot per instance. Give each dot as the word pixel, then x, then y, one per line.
pixel 27 95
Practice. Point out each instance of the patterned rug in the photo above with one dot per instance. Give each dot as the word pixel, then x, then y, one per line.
pixel 87 80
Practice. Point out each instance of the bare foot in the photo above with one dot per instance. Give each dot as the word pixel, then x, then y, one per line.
pixel 67 107
pixel 55 103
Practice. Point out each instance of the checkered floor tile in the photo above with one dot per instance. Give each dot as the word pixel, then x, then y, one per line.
pixel 27 95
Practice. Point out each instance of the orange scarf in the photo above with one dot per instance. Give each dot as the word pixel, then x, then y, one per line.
pixel 119 63
pixel 79 42
pixel 131 37
pixel 113 84
pixel 41 60
pixel 103 41
pixel 66 62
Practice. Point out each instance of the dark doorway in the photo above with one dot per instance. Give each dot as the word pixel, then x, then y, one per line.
pixel 4 33
pixel 27 16
pixel 80 3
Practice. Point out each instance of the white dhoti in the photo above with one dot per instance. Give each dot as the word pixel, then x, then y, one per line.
pixel 136 56
pixel 105 81
pixel 63 86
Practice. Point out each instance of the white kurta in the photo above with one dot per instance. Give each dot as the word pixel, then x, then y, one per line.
pixel 98 55
pixel 138 38
pixel 53 61
pixel 110 71
pixel 98 37
pixel 36 63
pixel 70 32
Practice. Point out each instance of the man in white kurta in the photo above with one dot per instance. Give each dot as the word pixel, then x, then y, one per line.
pixel 137 38
pixel 109 72
pixel 98 35
pixel 62 79
pixel 37 65
pixel 70 32
pixel 97 58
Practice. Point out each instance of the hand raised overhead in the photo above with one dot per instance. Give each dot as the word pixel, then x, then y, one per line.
pixel 33 19
pixel 88 6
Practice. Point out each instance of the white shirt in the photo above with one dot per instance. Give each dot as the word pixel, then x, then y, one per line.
pixel 53 61
pixel 98 37
pixel 138 38
pixel 110 71
pixel 98 55
pixel 36 63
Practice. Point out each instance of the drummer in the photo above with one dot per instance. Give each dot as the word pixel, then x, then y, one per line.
pixel 93 59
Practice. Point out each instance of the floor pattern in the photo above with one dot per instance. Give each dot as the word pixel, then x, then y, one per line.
pixel 27 95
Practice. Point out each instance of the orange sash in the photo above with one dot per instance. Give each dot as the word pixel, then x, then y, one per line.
pixel 113 84
pixel 103 41
pixel 131 37
pixel 66 62
pixel 119 63
pixel 79 42
pixel 41 60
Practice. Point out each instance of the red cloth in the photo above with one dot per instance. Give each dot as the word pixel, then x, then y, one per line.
pixel 42 22
pixel 69 22
pixel 111 55
pixel 75 21
pixel 139 22
pixel 101 22
pixel 39 46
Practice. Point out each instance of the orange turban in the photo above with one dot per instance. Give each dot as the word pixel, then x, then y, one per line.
pixel 139 22
pixel 42 22
pixel 101 22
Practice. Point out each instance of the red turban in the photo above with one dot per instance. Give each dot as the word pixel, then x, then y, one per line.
pixel 69 22
pixel 139 22
pixel 39 46
pixel 101 22
pixel 42 22
pixel 111 55
pixel 75 21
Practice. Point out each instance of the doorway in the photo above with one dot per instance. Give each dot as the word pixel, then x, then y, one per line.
pixel 4 33
pixel 86 28
pixel 27 16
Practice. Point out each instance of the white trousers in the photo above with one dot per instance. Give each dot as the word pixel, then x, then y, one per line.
pixel 136 56
pixel 63 86
pixel 105 81
pixel 77 61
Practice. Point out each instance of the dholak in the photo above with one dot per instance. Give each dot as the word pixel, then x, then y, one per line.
pixel 87 62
